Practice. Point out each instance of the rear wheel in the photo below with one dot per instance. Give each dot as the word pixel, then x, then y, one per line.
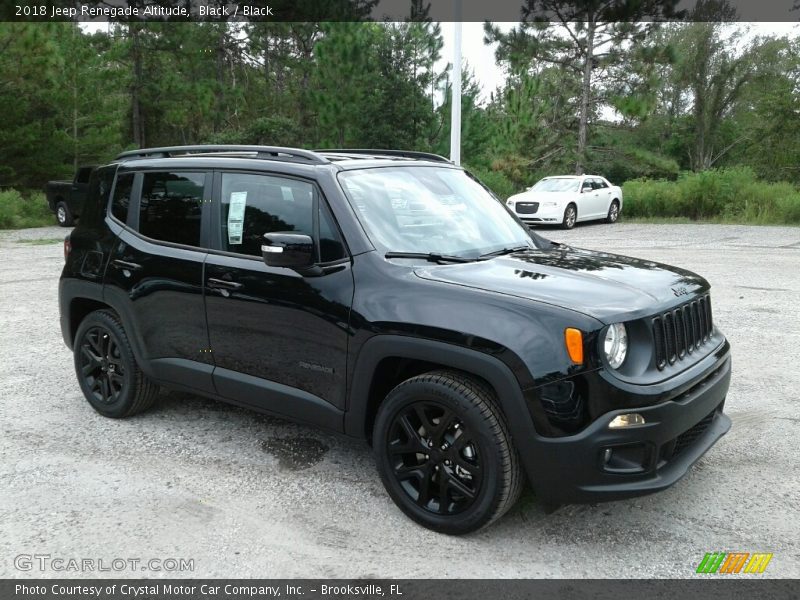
pixel 444 453
pixel 63 215
pixel 107 371
pixel 613 212
pixel 570 217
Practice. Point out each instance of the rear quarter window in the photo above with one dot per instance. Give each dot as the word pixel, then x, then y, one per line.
pixel 122 197
pixel 93 206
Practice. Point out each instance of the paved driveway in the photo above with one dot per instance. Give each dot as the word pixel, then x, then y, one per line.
pixel 253 496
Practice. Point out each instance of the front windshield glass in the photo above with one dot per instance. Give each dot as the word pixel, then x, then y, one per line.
pixel 430 210
pixel 560 184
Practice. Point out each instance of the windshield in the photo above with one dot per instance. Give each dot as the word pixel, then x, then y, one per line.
pixel 559 184
pixel 430 210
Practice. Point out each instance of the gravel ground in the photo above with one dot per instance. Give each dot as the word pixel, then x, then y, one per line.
pixel 251 496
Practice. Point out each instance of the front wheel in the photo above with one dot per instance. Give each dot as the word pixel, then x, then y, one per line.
pixel 63 215
pixel 444 453
pixel 613 212
pixel 570 217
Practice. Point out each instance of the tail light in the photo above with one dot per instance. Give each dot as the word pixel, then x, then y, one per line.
pixel 67 248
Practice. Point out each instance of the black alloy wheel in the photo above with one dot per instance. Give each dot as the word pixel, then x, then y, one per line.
pixel 444 452
pixel 435 458
pixel 101 365
pixel 107 372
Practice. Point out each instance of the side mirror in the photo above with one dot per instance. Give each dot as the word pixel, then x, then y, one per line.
pixel 291 250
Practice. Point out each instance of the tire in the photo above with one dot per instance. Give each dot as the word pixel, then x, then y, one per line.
pixel 443 433
pixel 63 215
pixel 107 372
pixel 570 217
pixel 613 212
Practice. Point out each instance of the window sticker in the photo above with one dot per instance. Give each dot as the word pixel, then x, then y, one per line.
pixel 236 208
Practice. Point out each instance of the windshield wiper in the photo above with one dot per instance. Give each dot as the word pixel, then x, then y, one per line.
pixel 503 251
pixel 430 257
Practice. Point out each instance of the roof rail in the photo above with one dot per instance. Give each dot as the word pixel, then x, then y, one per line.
pixel 262 152
pixel 390 153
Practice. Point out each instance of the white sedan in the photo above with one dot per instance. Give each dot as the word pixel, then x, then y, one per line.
pixel 565 200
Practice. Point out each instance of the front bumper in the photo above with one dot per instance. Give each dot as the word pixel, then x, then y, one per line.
pixel 543 216
pixel 643 459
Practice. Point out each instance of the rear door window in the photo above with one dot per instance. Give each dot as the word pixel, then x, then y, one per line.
pixel 170 207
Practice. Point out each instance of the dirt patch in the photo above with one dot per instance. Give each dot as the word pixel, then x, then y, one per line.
pixel 295 453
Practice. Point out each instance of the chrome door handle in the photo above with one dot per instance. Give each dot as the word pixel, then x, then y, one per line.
pixel 221 284
pixel 124 264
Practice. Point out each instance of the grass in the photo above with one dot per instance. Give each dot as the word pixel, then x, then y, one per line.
pixel 658 220
pixel 41 241
pixel 18 211
pixel 688 221
pixel 717 196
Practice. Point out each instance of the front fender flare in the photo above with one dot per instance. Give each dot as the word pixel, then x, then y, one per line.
pixel 490 368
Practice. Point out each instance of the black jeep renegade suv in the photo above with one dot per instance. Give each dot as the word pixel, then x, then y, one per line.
pixel 390 296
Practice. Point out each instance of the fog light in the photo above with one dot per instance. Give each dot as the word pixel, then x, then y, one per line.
pixel 626 420
pixel 607 455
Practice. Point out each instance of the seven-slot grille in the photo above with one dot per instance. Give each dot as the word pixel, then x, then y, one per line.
pixel 682 330
pixel 527 208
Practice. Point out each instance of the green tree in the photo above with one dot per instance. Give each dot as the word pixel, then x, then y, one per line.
pixel 477 126
pixel 29 67
pixel 587 40
pixel 768 113
pixel 54 117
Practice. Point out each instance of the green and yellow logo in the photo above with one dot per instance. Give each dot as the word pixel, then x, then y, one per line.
pixel 729 563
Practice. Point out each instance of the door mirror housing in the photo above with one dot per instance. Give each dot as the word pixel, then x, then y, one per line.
pixel 286 249
pixel 586 187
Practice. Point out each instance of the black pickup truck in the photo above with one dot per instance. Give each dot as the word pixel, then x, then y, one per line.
pixel 65 197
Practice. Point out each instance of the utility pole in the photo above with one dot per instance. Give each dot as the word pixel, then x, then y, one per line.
pixel 455 101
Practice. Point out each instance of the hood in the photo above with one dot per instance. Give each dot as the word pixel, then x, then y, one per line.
pixel 608 287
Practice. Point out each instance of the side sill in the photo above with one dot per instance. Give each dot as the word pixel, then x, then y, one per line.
pixel 276 398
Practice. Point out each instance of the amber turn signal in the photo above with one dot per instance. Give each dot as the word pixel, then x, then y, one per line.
pixel 573 338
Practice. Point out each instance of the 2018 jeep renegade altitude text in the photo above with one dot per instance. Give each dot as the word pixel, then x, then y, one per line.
pixel 391 297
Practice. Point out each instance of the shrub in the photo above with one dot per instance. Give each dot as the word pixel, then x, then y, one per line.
pixel 496 181
pixel 18 211
pixel 721 194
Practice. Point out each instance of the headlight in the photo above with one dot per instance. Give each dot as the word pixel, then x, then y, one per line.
pixel 615 345
pixel 510 203
pixel 549 204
